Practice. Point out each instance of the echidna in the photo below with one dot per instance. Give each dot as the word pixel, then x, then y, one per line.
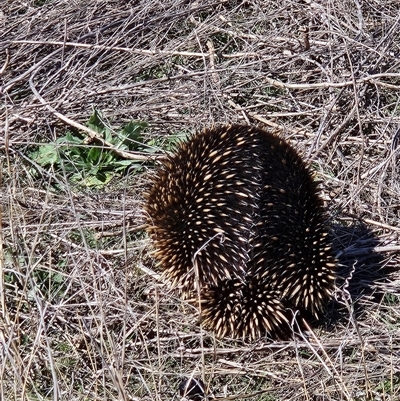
pixel 235 215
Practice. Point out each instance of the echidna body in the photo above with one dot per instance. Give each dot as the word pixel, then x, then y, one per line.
pixel 235 214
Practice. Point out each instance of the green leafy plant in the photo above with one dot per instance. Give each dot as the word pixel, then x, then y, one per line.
pixel 167 143
pixel 389 386
pixel 50 284
pixel 92 165
pixel 391 299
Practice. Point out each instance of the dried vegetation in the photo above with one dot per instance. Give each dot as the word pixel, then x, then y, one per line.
pixel 82 318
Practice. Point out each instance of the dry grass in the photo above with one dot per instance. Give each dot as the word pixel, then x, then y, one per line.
pixel 81 320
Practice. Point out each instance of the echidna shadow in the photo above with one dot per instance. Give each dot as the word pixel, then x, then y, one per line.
pixel 235 216
pixel 359 270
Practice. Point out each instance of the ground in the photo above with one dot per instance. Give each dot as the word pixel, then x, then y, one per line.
pixel 84 314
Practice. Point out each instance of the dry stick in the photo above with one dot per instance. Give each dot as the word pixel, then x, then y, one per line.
pixel 376 169
pixel 326 85
pixel 7 338
pixel 304 384
pixel 391 162
pixel 7 335
pixel 333 372
pixel 383 225
pixel 94 34
pixel 28 71
pixel 157 301
pixel 347 300
pixel 240 396
pixel 333 344
pixel 5 65
pixel 334 134
pixel 328 111
pixel 237 108
pixel 270 81
pixel 116 48
pixel 357 112
pixel 120 88
pixel 7 139
pixel 371 174
pixel 2 297
pixel 211 54
pixel 243 369
pixel 255 116
pixel 106 364
pixel 98 251
pixel 273 82
pixel 42 326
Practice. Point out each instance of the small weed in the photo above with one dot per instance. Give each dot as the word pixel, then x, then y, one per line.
pixel 389 386
pixel 83 237
pixel 51 284
pixel 155 72
pixel 391 299
pixel 92 165
pixel 167 143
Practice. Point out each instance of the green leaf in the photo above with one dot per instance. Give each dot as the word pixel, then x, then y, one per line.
pixel 123 162
pixel 46 154
pixel 131 134
pixel 69 138
pixel 108 158
pixel 99 180
pixel 108 135
pixel 121 165
pixel 58 278
pixel 95 122
pixel 94 155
